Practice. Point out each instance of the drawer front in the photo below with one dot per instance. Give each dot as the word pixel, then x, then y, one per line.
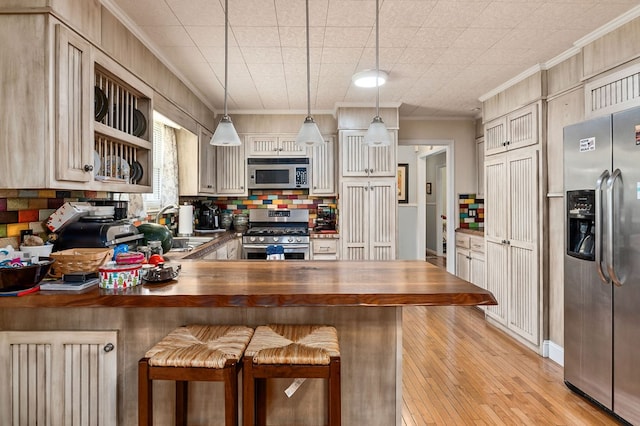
pixel 324 246
pixel 462 241
pixel 477 245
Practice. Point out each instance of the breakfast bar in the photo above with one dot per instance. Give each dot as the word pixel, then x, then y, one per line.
pixel 362 299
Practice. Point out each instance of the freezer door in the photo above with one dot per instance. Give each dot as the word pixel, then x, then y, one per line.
pixel 626 298
pixel 588 340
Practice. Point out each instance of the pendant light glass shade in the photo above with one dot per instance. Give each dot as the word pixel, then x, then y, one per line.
pixel 377 134
pixel 225 134
pixel 309 133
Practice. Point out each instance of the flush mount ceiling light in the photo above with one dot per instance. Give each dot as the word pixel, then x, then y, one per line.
pixel 368 78
pixel 225 134
pixel 377 134
pixel 309 133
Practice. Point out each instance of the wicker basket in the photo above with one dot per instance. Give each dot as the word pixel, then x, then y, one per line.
pixel 79 260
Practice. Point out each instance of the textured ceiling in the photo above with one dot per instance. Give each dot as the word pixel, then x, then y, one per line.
pixel 442 55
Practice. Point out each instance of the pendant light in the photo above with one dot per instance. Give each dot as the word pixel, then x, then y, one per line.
pixel 309 133
pixel 377 134
pixel 225 134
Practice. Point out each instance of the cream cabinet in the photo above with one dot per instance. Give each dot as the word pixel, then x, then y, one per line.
pixel 480 166
pixel 274 146
pixel 325 248
pixel 360 160
pixel 206 163
pixel 323 168
pixel 58 377
pixel 470 258
pixel 515 130
pixel 229 250
pixel 368 210
pixel 231 170
pixel 512 225
pixel 85 118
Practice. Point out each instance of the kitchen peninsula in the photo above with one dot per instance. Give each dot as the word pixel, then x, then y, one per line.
pixel 363 300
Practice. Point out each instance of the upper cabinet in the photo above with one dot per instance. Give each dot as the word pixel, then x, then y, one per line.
pixel 515 130
pixel 231 170
pixel 207 163
pixel 480 166
pixel 360 160
pixel 274 145
pixel 80 124
pixel 323 168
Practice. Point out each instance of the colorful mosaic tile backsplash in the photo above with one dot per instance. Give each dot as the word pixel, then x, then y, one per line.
pixel 29 209
pixel 471 212
pixel 273 199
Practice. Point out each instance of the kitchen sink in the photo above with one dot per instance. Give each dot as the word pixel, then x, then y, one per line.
pixel 188 243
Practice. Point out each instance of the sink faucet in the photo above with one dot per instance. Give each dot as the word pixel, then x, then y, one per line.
pixel 164 209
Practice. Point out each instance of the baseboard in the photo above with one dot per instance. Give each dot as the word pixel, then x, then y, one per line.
pixel 554 352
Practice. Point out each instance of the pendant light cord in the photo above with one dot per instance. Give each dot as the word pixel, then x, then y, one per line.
pixel 377 61
pixel 308 66
pixel 226 51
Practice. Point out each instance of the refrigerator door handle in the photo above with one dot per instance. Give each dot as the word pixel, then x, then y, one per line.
pixel 610 267
pixel 601 180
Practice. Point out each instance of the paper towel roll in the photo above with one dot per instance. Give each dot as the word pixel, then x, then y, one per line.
pixel 185 220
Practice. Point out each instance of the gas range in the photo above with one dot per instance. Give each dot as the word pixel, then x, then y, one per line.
pixel 286 228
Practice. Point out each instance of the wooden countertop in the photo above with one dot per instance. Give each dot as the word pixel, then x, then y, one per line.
pixel 262 283
pixel 474 232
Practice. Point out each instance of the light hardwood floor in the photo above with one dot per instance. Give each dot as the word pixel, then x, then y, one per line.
pixel 459 370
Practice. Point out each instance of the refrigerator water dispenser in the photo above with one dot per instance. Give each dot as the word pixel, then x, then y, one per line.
pixel 581 224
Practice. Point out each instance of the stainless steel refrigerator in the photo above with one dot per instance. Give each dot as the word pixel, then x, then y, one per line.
pixel 602 261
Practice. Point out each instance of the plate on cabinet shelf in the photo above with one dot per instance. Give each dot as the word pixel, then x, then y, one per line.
pixel 96 162
pixel 139 123
pixel 100 104
pixel 116 167
pixel 136 172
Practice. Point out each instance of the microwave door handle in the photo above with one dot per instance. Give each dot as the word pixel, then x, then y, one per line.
pixel 598 223
pixel 610 193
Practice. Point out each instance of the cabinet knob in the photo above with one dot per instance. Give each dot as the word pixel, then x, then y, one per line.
pixel 88 167
pixel 108 347
pixel 209 186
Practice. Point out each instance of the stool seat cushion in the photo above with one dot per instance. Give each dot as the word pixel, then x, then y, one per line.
pixel 294 344
pixel 208 346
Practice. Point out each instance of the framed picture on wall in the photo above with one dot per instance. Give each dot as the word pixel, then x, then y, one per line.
pixel 403 183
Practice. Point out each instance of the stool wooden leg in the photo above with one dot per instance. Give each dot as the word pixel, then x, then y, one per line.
pixel 231 395
pixel 248 392
pixel 334 392
pixel 145 394
pixel 182 398
pixel 261 402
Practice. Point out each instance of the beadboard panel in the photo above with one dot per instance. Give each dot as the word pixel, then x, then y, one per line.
pixel 360 118
pixel 612 49
pixel 565 75
pixel 520 94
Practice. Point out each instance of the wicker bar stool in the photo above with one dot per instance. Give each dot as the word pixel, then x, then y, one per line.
pixel 289 351
pixel 193 353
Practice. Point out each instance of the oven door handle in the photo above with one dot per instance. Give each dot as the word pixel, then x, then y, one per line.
pixel 264 246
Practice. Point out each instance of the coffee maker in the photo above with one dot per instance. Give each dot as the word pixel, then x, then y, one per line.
pixel 326 218
pixel 208 216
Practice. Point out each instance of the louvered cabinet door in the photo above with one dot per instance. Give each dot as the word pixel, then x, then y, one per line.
pixel 323 168
pixel 58 377
pixel 231 170
pixel 354 219
pixel 354 153
pixel 207 159
pixel 262 146
pixel 523 222
pixel 287 147
pixel 496 215
pixel 382 219
pixel 495 136
pixel 522 127
pixel 74 144
pixel 382 160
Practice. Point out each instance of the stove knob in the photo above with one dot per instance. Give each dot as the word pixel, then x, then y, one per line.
pixel 261 239
pixel 275 239
pixel 252 239
pixel 290 239
pixel 298 239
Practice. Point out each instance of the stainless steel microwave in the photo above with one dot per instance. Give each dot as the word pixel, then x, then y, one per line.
pixel 279 173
